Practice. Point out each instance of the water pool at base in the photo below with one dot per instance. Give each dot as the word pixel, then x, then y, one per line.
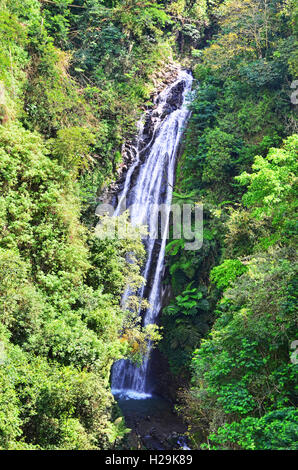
pixel 153 422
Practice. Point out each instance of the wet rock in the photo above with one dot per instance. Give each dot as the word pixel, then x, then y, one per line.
pixel 161 80
pixel 154 422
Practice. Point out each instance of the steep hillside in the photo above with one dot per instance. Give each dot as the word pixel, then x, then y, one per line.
pixel 75 77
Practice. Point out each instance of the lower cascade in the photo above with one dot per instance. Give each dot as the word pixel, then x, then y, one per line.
pixel 148 184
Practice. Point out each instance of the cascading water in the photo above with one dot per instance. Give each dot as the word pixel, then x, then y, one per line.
pixel 149 183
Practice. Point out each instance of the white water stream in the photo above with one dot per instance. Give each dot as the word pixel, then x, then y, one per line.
pixel 149 182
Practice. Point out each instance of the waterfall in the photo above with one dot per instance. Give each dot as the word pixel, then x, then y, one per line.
pixel 149 182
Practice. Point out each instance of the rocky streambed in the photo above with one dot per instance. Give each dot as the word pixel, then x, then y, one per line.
pixel 154 424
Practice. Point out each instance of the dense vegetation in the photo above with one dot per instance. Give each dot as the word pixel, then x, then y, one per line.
pixel 240 160
pixel 72 82
pixel 74 76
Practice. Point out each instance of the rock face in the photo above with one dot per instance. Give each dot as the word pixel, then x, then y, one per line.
pixel 162 79
pixel 174 101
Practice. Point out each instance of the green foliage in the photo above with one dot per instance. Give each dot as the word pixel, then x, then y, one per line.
pixel 13 58
pixel 52 98
pixel 276 430
pixel 226 273
pixel 272 187
pixel 242 393
pixel 73 82
pixel 188 303
pixel 242 369
pixel 60 308
pixel 188 317
pixel 185 321
pixel 49 418
pixel 72 148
